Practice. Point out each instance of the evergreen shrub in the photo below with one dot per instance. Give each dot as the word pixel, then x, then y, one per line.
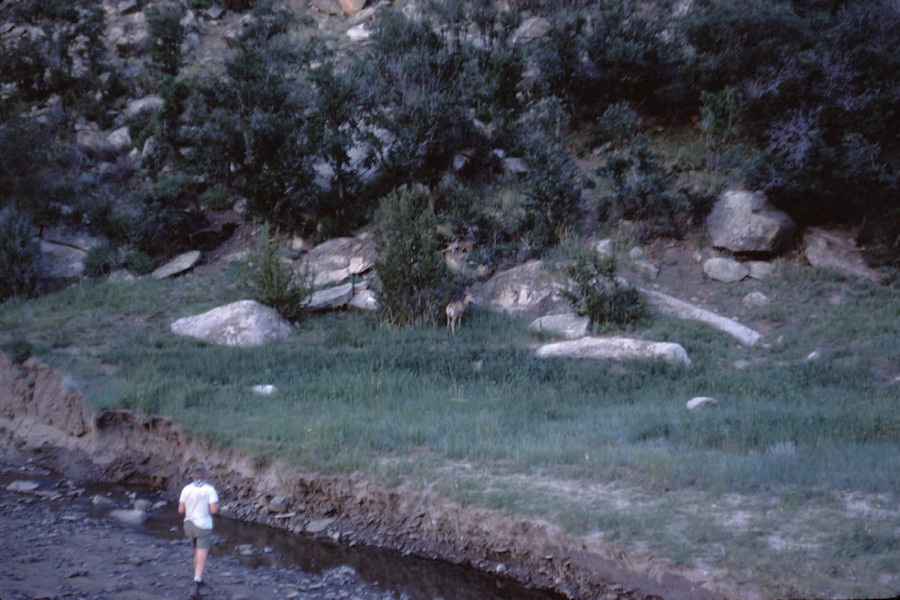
pixel 21 260
pixel 415 282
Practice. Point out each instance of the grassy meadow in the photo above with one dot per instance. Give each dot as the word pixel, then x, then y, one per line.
pixel 790 482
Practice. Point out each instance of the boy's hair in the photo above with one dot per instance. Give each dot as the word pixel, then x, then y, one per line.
pixel 199 471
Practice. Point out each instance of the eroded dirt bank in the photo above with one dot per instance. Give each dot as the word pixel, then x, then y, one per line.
pixel 42 413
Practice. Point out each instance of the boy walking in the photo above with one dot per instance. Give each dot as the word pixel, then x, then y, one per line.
pixel 198 503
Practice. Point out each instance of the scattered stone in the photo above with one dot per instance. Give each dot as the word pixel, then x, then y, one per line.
pixel 743 221
pixel 351 7
pixel 755 299
pixel 637 253
pixel 129 516
pixel 264 390
pixel 726 270
pixel 178 265
pixel 318 525
pixel 618 349
pixel 214 13
pixel 760 269
pixel 701 402
pixel 277 505
pixel 152 102
pixel 605 247
pixel 359 32
pixel 814 355
pixel 648 268
pixel 514 166
pixel 22 486
pixel 531 29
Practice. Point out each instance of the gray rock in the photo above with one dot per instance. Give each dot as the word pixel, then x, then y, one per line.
pixel 277 505
pixel 22 486
pixel 743 221
pixel 648 268
pixel 177 265
pixel 363 300
pixel 569 326
pixel 760 269
pixel 701 402
pixel 318 525
pixel 62 261
pixel 755 299
pixel 330 298
pixel 531 29
pixel 685 310
pixel 130 516
pixel 328 7
pixel 727 270
pixel 618 349
pixel 244 323
pixel 528 290
pixel 838 251
pixel 151 102
pixel 335 260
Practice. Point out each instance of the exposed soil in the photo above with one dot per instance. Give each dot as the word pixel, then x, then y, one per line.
pixel 45 420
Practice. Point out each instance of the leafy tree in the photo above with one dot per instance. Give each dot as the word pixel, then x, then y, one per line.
pixel 415 282
pixel 422 96
pixel 21 261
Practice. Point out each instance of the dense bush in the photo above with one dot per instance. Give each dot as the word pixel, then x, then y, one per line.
pixel 415 282
pixel 21 261
pixel 552 184
pixel 596 293
pixel 818 86
pixel 100 260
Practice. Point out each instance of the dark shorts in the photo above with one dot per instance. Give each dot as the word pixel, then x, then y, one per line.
pixel 200 538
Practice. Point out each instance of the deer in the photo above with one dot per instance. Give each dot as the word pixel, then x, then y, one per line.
pixel 455 311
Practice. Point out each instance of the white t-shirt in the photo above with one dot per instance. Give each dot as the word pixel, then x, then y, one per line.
pixel 197 497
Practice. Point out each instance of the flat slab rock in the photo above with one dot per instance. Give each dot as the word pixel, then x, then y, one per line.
pixel 617 348
pixel 179 264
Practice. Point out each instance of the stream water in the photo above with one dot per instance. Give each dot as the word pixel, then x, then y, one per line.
pixel 260 546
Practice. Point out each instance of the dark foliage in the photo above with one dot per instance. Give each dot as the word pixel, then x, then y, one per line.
pixel 415 282
pixel 21 261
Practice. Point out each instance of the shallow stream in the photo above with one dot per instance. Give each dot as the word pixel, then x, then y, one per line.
pixel 259 546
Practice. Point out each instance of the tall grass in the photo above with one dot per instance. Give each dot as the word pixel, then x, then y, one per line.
pixel 415 404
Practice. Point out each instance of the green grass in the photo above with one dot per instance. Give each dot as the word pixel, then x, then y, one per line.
pixel 479 418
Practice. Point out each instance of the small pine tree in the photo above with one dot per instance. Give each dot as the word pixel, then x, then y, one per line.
pixel 415 281
pixel 21 261
pixel 274 283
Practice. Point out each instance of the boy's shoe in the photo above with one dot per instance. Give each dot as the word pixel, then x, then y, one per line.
pixel 195 590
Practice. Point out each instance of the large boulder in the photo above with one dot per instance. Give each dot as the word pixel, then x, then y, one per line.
pixel 745 222
pixel 64 251
pixel 244 323
pixel 529 290
pixel 617 348
pixel 179 264
pixel 725 269
pixel 337 259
